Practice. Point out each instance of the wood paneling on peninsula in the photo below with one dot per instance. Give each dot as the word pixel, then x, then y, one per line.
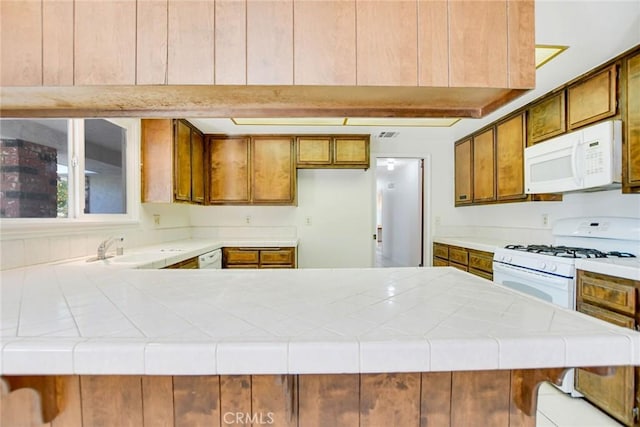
pixel 281 47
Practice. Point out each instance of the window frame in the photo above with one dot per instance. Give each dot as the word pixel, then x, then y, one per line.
pixel 76 216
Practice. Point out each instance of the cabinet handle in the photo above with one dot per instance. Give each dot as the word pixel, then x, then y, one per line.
pixel 462 197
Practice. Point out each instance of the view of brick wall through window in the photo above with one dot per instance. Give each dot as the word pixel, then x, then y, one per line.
pixel 28 184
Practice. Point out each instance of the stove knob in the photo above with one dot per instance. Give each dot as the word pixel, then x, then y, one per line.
pixel 543 265
pixel 553 267
pixel 508 259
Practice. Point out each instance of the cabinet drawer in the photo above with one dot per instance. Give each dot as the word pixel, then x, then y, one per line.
pixel 480 260
pixel 458 255
pixel 439 262
pixel 277 256
pixel 458 266
pixel 606 315
pixel 440 251
pixel 191 263
pixel 241 256
pixel 606 291
pixel 480 273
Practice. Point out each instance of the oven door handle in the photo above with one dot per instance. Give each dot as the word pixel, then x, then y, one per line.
pixel 528 274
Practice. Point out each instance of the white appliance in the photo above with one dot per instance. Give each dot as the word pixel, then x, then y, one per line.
pixel 548 271
pixel 589 158
pixel 210 260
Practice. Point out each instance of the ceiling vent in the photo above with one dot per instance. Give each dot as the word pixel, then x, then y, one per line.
pixel 388 134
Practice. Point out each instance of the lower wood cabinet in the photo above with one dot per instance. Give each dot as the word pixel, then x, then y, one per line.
pixel 479 263
pixel 191 263
pixel 614 300
pixel 259 257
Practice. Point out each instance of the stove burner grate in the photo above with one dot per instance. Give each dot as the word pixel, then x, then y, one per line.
pixel 569 252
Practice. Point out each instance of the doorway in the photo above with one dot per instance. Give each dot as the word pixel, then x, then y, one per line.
pixel 399 212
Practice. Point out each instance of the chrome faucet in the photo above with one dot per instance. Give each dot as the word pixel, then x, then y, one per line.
pixel 106 244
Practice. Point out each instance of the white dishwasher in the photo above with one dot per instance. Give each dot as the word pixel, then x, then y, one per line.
pixel 210 260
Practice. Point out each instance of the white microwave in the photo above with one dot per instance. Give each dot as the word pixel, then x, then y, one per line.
pixel 589 158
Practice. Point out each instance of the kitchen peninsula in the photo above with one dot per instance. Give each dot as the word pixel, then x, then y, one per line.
pixel 401 346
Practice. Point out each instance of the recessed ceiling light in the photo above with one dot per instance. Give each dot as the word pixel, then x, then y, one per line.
pixel 545 53
pixel 401 121
pixel 290 121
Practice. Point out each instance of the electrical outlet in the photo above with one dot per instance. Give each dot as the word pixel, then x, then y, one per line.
pixel 247 219
pixel 307 220
pixel 545 220
pixel 156 219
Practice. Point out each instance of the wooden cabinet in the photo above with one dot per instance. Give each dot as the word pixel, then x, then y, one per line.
pixel 22 44
pixel 315 151
pixel 631 144
pixel 613 300
pixel 273 173
pixel 546 118
pixel 259 257
pixel 251 170
pixel 592 99
pixel 510 144
pixel 172 161
pixel 484 166
pixel 479 263
pixel 324 42
pixel 463 176
pixel 187 264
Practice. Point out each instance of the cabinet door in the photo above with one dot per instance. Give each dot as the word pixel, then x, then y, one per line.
pixel 104 41
pixel 270 42
pixel 182 166
pixel 631 150
pixel 190 42
pixel 21 41
pixel 546 118
pixel 386 43
pixel 277 257
pixel 273 170
pixel 313 151
pixel 197 167
pixel 324 37
pixel 433 43
pixel 463 190
pixel 458 255
pixel 151 39
pixel 615 294
pixel 484 166
pixel 231 42
pixel 157 151
pixel 57 43
pixel 593 99
pixel 351 151
pixel 481 260
pixel 228 170
pixel 510 144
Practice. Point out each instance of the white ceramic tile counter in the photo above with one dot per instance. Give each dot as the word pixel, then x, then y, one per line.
pixel 628 268
pixel 477 243
pixel 162 255
pixel 64 319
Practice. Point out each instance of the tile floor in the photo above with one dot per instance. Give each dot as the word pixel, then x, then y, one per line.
pixel 559 410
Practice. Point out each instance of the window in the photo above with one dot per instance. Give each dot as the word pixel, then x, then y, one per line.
pixel 68 168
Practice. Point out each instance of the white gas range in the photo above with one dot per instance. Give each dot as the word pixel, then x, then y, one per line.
pixel 548 272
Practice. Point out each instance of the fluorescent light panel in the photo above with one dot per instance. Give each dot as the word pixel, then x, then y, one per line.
pixel 290 121
pixel 401 121
pixel 545 53
pixel 350 121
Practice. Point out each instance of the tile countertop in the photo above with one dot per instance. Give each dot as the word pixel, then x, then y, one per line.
pixel 477 243
pixel 164 254
pixel 628 268
pixel 68 319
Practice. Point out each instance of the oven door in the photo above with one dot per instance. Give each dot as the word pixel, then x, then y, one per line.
pixel 555 289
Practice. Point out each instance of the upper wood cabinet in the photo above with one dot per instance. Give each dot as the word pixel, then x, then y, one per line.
pixel 631 144
pixel 463 175
pixel 251 170
pixel 104 37
pixel 269 42
pixel 151 42
pixel 348 151
pixel 546 118
pixel 386 43
pixel 484 166
pixel 592 99
pixel 510 144
pixel 273 174
pixel 324 42
pixel 230 42
pixel 172 161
